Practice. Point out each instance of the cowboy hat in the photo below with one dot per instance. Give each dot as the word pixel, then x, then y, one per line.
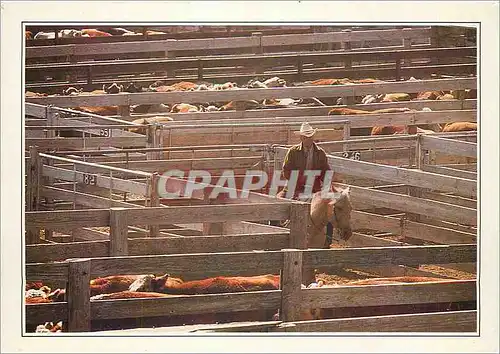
pixel 306 130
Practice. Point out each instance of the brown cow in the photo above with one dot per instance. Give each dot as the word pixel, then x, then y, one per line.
pixel 168 285
pixel 184 108
pixel 240 105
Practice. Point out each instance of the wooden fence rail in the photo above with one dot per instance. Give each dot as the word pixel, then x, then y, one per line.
pixel 172 45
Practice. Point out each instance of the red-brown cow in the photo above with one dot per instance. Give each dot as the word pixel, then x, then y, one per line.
pixel 168 285
pixel 460 127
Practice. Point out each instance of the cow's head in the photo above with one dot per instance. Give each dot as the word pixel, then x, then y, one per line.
pixel 153 283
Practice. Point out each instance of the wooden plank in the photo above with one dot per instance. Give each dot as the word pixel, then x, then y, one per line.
pixel 406 176
pixel 254 94
pixel 356 120
pixel 291 280
pixel 351 257
pixel 118 245
pixel 47 272
pixel 415 205
pixel 450 171
pixel 37 314
pixel 213 264
pixel 78 295
pixel 75 218
pixel 83 199
pixel 449 146
pixel 470 104
pixel 80 144
pixel 208 244
pixel 118 184
pixel 299 219
pixel 35 110
pixel 216 213
pixel 186 305
pixel 107 67
pixel 450 199
pixel 213 43
pixel 401 294
pixel 59 252
pixel 459 321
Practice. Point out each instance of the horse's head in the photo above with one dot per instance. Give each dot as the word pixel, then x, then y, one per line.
pixel 334 207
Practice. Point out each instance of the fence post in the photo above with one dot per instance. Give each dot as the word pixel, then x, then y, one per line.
pixel 257 50
pixel 118 232
pixel 32 193
pixel 154 201
pixel 290 284
pixel 407 45
pixel 78 295
pixel 299 222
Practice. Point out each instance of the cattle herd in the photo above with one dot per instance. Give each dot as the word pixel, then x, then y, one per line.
pixel 146 286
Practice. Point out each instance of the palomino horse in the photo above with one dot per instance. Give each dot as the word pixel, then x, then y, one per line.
pixel 334 207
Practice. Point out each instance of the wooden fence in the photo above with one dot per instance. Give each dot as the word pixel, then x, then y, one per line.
pixel 296 67
pixel 78 310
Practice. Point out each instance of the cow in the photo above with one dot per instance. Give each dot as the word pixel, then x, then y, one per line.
pixel 218 285
pixel 112 284
pixel 113 88
pixel 117 31
pixel 72 91
pixel 184 108
pixel 446 96
pixel 67 33
pixel 240 105
pixel 460 127
pixel 225 86
pixel 49 327
pixel 92 32
pixel 101 110
pixel 28 35
pixel 388 97
pixel 429 95
pixel 133 88
pixel 146 121
pixel 150 108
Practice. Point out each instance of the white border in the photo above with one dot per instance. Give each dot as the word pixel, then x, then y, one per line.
pixel 11 156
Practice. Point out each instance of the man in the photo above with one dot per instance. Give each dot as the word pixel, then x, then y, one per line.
pixel 306 156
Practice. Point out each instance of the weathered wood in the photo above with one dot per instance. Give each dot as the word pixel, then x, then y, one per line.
pixel 448 146
pixel 118 245
pixel 80 144
pixel 400 294
pixel 450 171
pixel 101 181
pixel 37 314
pixel 60 252
pixel 84 199
pixel 208 244
pixel 216 213
pixel 415 205
pixel 350 257
pixel 76 218
pixel 216 43
pixel 33 193
pixel 410 177
pixel 291 280
pixel 450 199
pixel 460 321
pixel 470 104
pixel 213 264
pixel 78 295
pixel 186 305
pixel 47 272
pixel 299 219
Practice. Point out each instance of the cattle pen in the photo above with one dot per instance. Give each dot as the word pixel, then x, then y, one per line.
pixel 94 206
